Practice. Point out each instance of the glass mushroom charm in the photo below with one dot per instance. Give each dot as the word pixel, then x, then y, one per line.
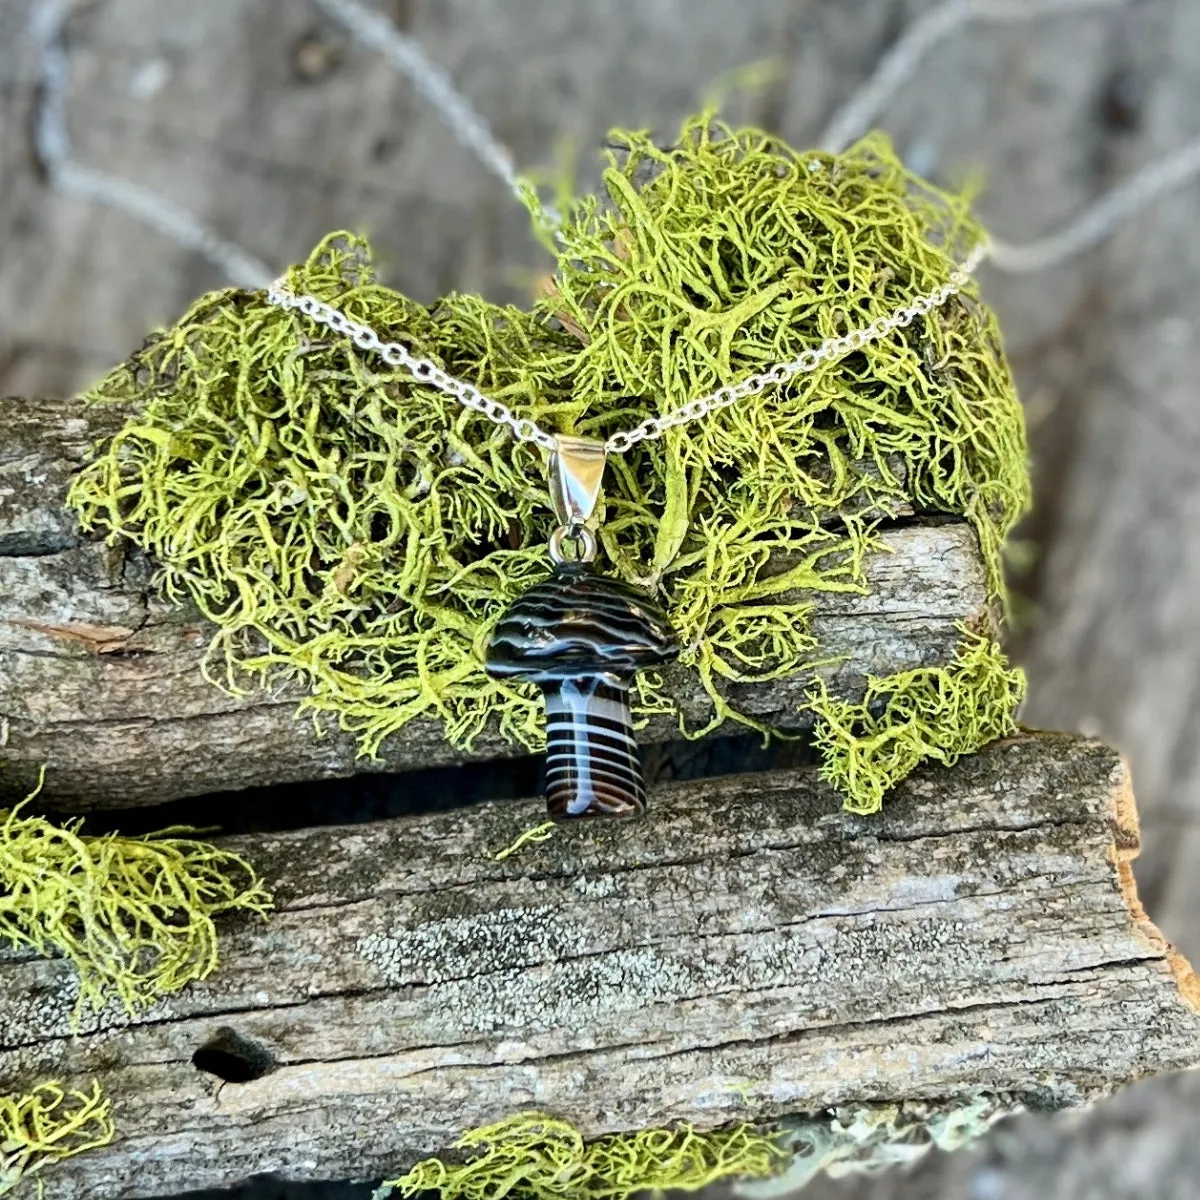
pixel 582 637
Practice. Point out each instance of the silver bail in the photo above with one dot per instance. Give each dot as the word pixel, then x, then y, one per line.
pixel 576 477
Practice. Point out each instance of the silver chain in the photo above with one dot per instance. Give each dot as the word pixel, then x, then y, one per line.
pixel 524 429
pixel 396 354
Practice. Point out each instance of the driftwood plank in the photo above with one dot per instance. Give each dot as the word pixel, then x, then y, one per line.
pixel 745 952
pixel 100 680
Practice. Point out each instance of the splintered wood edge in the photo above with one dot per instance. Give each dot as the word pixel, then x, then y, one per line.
pixel 1126 846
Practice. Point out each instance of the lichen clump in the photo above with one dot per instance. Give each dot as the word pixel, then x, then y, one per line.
pixel 135 915
pixel 46 1125
pixel 535 1157
pixel 934 713
pixel 868 1139
pixel 346 525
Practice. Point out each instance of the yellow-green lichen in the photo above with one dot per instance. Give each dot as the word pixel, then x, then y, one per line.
pixel 538 833
pixel 536 1157
pixel 46 1125
pixel 134 915
pixel 937 713
pixel 345 525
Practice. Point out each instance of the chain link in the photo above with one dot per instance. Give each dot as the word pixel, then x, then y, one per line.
pixel 396 354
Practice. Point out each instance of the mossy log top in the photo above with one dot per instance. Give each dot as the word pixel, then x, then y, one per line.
pixel 100 678
pixel 746 952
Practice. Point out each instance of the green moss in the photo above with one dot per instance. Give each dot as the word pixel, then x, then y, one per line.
pixel 535 1157
pixel 344 525
pixel 937 713
pixel 134 915
pixel 47 1125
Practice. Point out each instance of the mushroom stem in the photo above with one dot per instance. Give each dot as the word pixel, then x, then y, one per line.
pixel 593 768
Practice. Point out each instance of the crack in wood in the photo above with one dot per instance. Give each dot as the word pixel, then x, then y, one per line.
pixel 977 934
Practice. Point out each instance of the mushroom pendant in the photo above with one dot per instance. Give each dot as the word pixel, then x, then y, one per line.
pixel 582 637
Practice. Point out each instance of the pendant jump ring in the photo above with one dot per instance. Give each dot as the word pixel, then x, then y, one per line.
pixel 584 539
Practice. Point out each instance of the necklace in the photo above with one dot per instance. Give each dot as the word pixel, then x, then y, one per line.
pixel 582 637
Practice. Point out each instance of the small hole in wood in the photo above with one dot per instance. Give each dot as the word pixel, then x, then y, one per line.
pixel 234 1058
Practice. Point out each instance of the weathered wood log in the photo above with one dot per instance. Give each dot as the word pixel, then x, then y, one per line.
pixel 746 952
pixel 100 680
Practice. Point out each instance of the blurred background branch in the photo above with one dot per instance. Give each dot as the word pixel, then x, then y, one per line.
pixel 369 27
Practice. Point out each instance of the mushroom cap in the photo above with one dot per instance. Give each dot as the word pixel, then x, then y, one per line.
pixel 578 623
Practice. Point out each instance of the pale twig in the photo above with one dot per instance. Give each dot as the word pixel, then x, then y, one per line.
pixel 1102 218
pixel 53 145
pixel 900 62
pixel 376 32
pixel 897 65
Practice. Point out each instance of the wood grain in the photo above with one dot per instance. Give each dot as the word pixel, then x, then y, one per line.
pixel 101 680
pixel 748 951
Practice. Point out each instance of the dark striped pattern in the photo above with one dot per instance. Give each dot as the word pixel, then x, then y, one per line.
pixel 583 637
pixel 577 623
pixel 592 764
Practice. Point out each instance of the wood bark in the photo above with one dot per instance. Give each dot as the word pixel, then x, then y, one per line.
pixel 101 680
pixel 745 952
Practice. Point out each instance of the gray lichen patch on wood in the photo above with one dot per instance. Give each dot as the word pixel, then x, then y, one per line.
pixel 746 952
pixel 126 717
